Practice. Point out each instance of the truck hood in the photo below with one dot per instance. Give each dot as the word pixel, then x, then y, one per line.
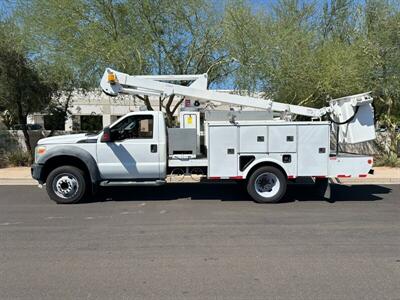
pixel 67 139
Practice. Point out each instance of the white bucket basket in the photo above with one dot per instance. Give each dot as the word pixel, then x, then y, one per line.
pixel 361 127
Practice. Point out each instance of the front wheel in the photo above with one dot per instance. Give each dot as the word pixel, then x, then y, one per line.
pixel 66 185
pixel 267 185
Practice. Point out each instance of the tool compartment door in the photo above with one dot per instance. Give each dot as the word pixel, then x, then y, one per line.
pixel 222 151
pixel 313 150
pixel 282 139
pixel 253 139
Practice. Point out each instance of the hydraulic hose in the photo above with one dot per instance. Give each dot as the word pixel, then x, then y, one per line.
pixel 344 122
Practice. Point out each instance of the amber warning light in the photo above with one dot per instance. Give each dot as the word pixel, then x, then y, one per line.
pixel 112 79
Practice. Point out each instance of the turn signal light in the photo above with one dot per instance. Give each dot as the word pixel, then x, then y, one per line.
pixel 41 150
pixel 111 78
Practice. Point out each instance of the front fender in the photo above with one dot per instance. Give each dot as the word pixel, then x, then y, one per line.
pixel 72 151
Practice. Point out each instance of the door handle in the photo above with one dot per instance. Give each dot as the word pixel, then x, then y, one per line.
pixel 153 148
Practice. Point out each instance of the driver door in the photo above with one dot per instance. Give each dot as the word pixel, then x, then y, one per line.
pixel 133 152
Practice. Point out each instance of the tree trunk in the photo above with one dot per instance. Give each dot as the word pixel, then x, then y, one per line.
pixel 169 113
pixel 169 117
pixel 28 143
pixel 22 120
pixel 64 111
pixel 146 101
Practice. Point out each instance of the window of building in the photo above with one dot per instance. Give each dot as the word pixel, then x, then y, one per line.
pixel 91 123
pixel 53 122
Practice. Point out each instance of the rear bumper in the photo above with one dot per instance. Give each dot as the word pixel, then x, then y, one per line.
pixel 36 172
pixel 349 166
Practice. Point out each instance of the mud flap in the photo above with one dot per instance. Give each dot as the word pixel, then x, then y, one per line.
pixel 323 188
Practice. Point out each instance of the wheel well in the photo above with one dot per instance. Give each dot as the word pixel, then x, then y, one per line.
pixel 263 164
pixel 63 160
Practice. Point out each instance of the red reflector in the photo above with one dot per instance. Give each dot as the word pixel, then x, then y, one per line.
pixel 215 177
pixel 291 177
pixel 343 176
pixel 362 175
pixel 370 161
pixel 105 137
pixel 236 177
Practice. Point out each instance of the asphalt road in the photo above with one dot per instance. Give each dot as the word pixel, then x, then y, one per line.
pixel 203 241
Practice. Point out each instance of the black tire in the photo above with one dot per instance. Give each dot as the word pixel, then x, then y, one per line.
pixel 280 187
pixel 63 179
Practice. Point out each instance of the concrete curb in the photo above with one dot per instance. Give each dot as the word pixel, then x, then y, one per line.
pixel 368 181
pixel 18 181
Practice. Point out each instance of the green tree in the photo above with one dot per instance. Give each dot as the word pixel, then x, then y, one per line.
pixel 339 20
pixel 382 29
pixel 89 35
pixel 136 37
pixel 186 38
pixel 66 83
pixel 294 55
pixel 274 50
pixel 22 90
pixel 77 40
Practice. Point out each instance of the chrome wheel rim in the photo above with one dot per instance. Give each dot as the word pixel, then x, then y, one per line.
pixel 65 185
pixel 267 185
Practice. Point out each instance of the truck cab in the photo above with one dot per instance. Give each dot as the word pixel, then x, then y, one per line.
pixel 135 147
pixel 131 150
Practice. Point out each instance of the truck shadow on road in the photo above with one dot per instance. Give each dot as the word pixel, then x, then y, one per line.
pixel 235 192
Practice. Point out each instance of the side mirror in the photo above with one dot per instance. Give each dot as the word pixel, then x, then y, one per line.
pixel 106 135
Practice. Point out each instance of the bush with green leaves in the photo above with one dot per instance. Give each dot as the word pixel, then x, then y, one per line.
pixel 19 159
pixel 3 160
pixel 390 160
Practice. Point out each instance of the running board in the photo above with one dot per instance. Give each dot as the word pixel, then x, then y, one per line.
pixel 132 183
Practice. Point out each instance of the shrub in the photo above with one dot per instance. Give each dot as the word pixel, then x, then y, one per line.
pixel 3 160
pixel 19 159
pixel 388 160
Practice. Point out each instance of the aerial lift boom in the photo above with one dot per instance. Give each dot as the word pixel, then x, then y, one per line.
pixel 355 112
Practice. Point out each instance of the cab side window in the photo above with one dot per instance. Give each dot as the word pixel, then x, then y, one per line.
pixel 134 127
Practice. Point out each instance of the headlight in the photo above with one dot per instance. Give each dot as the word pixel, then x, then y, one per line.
pixel 39 151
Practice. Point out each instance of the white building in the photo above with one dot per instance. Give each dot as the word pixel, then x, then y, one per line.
pixel 94 110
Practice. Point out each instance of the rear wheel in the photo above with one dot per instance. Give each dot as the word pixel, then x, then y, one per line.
pixel 66 185
pixel 267 185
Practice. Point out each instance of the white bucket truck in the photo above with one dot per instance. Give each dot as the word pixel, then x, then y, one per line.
pixel 254 147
